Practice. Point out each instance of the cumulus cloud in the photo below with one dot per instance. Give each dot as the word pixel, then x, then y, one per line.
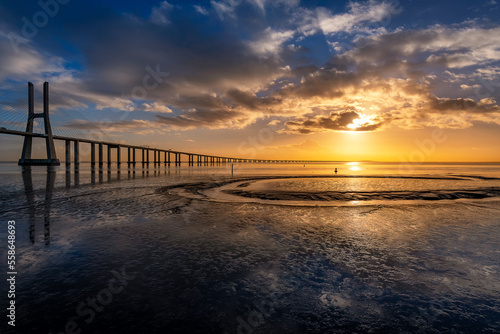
pixel 490 73
pixel 270 42
pixel 274 122
pixel 157 108
pixel 244 70
pixel 359 12
pixel 445 46
pixel 20 61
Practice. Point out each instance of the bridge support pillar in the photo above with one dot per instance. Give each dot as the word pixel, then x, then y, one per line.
pixel 68 152
pixel 118 156
pixel 129 156
pixel 92 155
pixel 101 155
pixel 76 153
pixel 109 156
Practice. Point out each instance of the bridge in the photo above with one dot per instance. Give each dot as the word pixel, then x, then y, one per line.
pixel 160 156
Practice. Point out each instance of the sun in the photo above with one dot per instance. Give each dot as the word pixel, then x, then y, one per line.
pixel 362 121
pixel 354 166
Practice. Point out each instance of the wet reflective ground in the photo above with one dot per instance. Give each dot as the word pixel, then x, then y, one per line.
pixel 142 256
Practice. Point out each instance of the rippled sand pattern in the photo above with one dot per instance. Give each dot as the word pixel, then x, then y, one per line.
pixel 332 190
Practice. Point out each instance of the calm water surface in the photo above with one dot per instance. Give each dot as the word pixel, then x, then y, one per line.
pixel 376 248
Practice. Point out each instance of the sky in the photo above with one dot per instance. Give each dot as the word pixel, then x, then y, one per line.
pixel 415 81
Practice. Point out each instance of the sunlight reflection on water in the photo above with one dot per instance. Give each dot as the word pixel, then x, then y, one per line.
pixel 206 266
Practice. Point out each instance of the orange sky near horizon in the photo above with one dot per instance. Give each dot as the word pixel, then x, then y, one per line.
pixel 391 145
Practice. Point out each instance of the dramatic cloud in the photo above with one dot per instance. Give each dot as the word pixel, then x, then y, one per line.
pixel 447 47
pixel 20 61
pixel 342 121
pixel 230 63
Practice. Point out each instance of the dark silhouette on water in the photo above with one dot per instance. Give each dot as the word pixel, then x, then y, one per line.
pixel 335 170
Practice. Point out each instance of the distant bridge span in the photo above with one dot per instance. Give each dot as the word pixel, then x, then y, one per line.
pixel 164 156
pixel 167 157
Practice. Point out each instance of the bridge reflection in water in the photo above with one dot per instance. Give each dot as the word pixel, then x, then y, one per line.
pixel 32 205
pixel 42 197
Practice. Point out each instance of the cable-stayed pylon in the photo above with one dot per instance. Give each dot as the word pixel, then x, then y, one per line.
pixel 49 140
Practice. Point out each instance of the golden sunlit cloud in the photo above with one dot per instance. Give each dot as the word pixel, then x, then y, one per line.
pixel 362 121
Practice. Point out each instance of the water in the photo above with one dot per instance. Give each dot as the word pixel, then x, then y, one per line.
pixel 377 248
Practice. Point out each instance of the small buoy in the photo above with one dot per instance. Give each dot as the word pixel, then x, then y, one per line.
pixel 335 170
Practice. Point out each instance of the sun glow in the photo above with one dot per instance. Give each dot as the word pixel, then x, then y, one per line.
pixel 354 166
pixel 362 121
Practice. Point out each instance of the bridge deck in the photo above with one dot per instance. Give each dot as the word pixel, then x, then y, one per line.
pixel 116 145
